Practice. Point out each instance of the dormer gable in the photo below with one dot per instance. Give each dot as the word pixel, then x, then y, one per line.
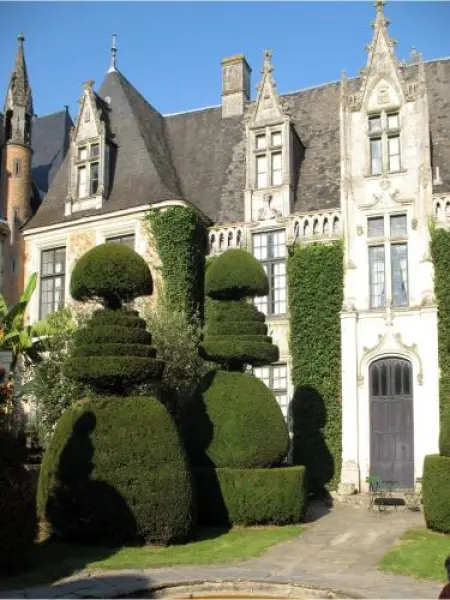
pixel 89 154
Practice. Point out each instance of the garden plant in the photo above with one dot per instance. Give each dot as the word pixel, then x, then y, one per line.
pixel 233 422
pixel 115 470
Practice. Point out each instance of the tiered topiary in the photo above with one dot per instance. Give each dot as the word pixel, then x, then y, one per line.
pixel 234 422
pixel 18 524
pixel 115 470
pixel 436 482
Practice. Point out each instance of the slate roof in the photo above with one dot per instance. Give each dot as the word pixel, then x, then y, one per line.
pixel 200 157
pixel 49 141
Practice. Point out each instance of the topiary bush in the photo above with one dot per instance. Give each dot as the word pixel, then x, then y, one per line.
pixel 235 274
pixel 436 492
pixel 111 274
pixel 444 436
pixel 251 496
pixel 234 421
pixel 18 523
pixel 116 471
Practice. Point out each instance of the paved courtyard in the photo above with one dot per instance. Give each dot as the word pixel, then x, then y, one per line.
pixel 339 550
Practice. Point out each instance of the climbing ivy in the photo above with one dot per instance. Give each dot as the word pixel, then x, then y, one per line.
pixel 440 252
pixel 180 242
pixel 315 283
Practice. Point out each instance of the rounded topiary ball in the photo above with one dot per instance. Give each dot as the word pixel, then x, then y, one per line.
pixel 18 523
pixel 112 274
pixel 115 472
pixel 234 420
pixel 444 436
pixel 235 274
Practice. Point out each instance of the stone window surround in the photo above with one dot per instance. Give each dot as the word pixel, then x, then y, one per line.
pixel 387 241
pixel 87 162
pixel 268 151
pixel 384 134
pixel 53 276
pixel 272 230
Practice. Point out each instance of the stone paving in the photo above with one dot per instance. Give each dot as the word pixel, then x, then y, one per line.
pixel 338 551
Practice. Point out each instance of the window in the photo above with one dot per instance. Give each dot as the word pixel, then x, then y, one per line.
pixel 16 167
pixel 270 249
pixel 52 281
pixel 275 378
pixel 88 173
pixel 81 184
pixel 127 240
pixel 271 157
pixel 384 142
pixel 261 171
pixel 94 179
pixel 388 252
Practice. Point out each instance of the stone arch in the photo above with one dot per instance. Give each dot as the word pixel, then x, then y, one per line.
pixel 306 228
pixel 316 227
pixel 221 240
pixel 296 230
pixel 326 226
pixel 230 238
pixel 238 238
pixel 438 209
pixel 336 225
pixel 212 242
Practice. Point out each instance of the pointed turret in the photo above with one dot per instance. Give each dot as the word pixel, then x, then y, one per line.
pixel 19 101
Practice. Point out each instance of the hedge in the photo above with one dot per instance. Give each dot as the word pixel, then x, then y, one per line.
pixel 117 318
pixel 233 311
pixel 236 352
pixel 436 492
pixel 234 420
pixel 18 523
pixel 315 287
pixel 180 238
pixel 115 350
pixel 250 496
pixel 116 472
pixel 97 334
pixel 235 274
pixel 110 273
pixel 440 253
pixel 444 436
pixel 235 328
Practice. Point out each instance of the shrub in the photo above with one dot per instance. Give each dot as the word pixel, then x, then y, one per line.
pixel 250 496
pixel 112 274
pixel 113 358
pixel 115 471
pixel 234 420
pixel 444 436
pixel 235 274
pixel 436 492
pixel 18 523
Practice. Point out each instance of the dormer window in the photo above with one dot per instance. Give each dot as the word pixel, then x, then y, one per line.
pixel 268 159
pixel 88 173
pixel 384 143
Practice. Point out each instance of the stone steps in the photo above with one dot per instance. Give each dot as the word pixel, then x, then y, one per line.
pixel 401 500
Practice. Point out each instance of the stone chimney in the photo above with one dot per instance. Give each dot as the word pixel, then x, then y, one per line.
pixel 235 85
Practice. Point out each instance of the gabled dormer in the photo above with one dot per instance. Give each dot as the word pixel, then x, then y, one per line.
pixel 269 152
pixel 90 154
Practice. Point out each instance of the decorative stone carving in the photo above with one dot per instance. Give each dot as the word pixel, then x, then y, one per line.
pixel 414 223
pixel 359 230
pixel 383 96
pixel 267 212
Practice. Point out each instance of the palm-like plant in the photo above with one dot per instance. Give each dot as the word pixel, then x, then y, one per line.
pixel 23 340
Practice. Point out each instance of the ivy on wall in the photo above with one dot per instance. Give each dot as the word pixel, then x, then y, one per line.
pixel 440 252
pixel 315 284
pixel 180 238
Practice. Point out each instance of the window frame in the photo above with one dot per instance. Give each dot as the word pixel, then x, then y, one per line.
pixel 52 277
pixel 88 160
pixel 268 304
pixel 384 133
pixel 268 150
pixel 387 239
pixel 269 382
pixel 119 239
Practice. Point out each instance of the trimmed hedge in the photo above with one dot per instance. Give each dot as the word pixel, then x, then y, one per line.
pixel 444 436
pixel 234 275
pixel 440 253
pixel 315 287
pixel 117 318
pixel 235 352
pixel 233 311
pixel 115 349
pixel 250 496
pixel 112 274
pixel 97 334
pixel 115 472
pixel 113 374
pixel 234 421
pixel 235 328
pixel 436 492
pixel 18 523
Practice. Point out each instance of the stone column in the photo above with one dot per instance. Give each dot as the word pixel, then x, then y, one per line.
pixel 350 459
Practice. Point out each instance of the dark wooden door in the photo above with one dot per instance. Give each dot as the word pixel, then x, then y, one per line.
pixel 392 422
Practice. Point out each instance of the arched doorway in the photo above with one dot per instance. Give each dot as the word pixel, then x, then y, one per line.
pixel 392 421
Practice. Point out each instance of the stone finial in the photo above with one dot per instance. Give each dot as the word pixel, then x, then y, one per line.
pixel 87 85
pixel 267 68
pixel 112 65
pixel 380 19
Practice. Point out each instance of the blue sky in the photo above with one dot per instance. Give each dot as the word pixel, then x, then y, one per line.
pixel 171 51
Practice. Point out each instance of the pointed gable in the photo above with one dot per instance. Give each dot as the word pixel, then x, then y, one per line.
pixel 268 107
